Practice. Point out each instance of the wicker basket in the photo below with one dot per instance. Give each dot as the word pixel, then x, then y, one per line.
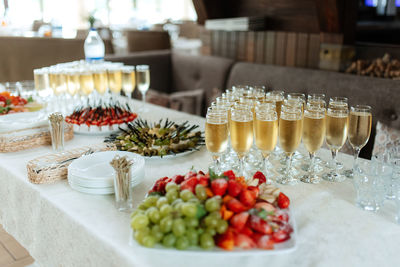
pixel 54 167
pixel 29 138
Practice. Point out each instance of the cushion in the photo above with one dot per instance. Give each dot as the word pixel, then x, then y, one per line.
pixel 384 136
pixel 187 101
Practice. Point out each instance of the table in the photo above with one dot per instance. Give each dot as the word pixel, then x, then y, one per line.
pixel 62 227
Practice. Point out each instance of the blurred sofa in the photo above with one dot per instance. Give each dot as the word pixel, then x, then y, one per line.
pixel 172 73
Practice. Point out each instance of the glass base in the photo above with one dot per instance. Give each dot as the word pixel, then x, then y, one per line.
pixel 368 206
pixel 310 180
pixel 317 169
pixel 282 171
pixel 284 179
pixel 339 165
pixel 348 173
pixel 334 177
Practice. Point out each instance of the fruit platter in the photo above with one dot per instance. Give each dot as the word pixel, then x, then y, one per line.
pixel 101 118
pixel 10 104
pixel 200 212
pixel 162 139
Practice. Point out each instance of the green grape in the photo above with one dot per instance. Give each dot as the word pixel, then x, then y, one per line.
pixel 213 204
pixel 171 196
pixel 201 192
pixel 157 233
pixel 161 201
pixel 169 240
pixel 166 224
pixel 153 214
pixel 194 200
pixel 191 222
pixel 165 210
pixel 211 221
pixel 142 206
pixel 171 186
pixel 182 243
pixel 206 241
pixel 189 209
pixel 150 201
pixel 139 221
pixel 210 231
pixel 136 212
pixel 176 201
pixel 215 214
pixel 200 231
pixel 178 227
pixel 148 241
pixel 139 234
pixel 222 226
pixel 186 194
pixel 192 236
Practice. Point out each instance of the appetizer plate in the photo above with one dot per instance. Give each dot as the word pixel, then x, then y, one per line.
pixel 22 120
pixel 93 173
pixel 171 156
pixel 280 248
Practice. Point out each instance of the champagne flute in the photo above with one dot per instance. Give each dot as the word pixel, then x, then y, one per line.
pixel 114 77
pixel 277 97
pixel 100 81
pixel 336 133
pixel 241 131
pixel 299 97
pixel 360 121
pixel 86 84
pixel 143 81
pixel 42 83
pixel 290 130
pixel 313 138
pixel 73 85
pixel 216 134
pixel 266 133
pixel 317 100
pixel 128 80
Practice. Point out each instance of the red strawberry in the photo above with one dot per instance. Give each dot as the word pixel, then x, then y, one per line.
pixel 260 225
pixel 280 236
pixel 190 174
pixel 178 179
pixel 201 173
pixel 189 184
pixel 234 188
pixel 219 186
pixel 235 205
pixel 265 206
pixel 226 241
pixel 265 242
pixel 282 216
pixel 244 242
pixel 283 201
pixel 238 221
pixel 261 177
pixel 247 231
pixel 230 174
pixel 248 198
pixel 254 189
pixel 203 180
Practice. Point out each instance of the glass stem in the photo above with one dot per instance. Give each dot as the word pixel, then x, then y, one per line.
pixel 311 169
pixel 334 154
pixel 241 166
pixel 289 164
pixel 143 98
pixel 265 162
pixel 356 154
pixel 216 159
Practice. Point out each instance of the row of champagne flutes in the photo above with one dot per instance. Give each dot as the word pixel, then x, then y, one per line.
pixel 83 82
pixel 248 116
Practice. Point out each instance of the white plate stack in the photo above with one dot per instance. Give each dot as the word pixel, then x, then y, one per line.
pixel 93 174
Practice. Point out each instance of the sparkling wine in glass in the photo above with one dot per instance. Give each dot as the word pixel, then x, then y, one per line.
pixel 313 138
pixel 128 80
pixel 290 131
pixel 100 81
pixel 73 86
pixel 266 132
pixel 216 135
pixel 360 121
pixel 241 132
pixel 337 121
pixel 114 77
pixel 143 81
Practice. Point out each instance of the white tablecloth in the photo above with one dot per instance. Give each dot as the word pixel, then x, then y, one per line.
pixel 62 227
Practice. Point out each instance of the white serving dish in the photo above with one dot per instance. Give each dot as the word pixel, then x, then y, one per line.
pixel 95 172
pixel 22 120
pixel 280 248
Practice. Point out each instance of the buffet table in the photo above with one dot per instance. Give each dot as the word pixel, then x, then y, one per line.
pixel 62 227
